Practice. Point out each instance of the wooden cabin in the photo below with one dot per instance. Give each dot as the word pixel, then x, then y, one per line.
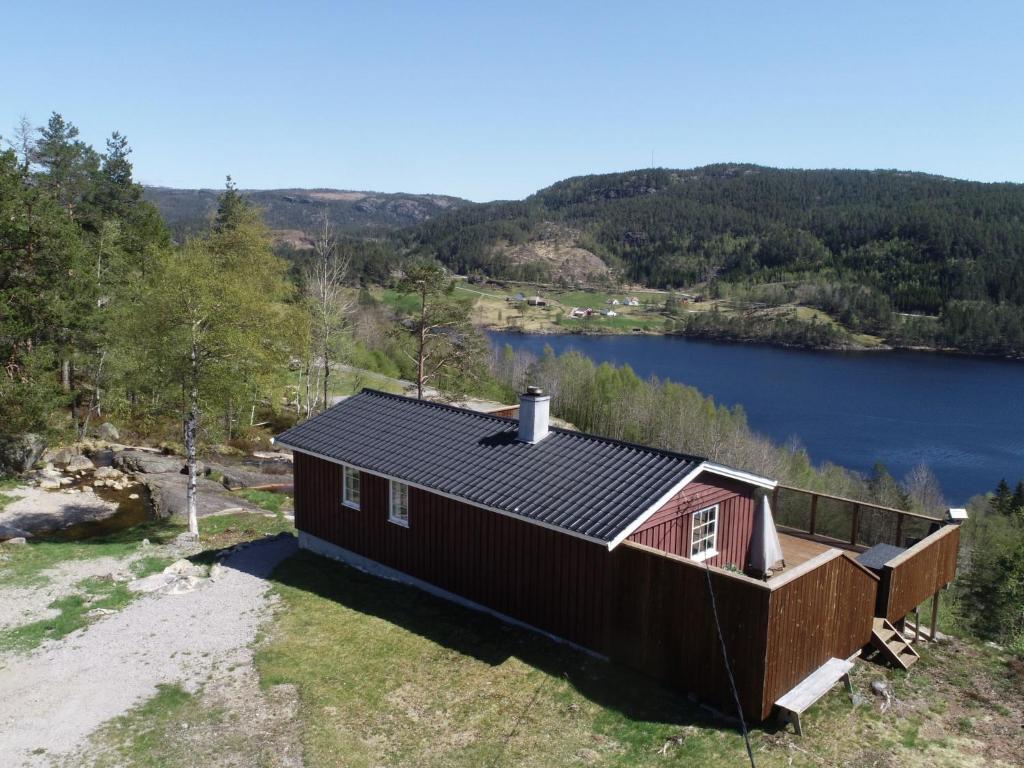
pixel 620 549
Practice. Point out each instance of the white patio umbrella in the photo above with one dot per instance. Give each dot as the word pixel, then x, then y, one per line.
pixel 765 549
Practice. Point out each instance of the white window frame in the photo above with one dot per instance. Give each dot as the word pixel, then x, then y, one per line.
pixel 699 535
pixel 345 500
pixel 398 519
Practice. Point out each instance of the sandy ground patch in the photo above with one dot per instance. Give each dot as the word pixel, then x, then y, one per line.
pixel 54 697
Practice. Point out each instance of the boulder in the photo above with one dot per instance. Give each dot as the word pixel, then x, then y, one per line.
pixel 19 453
pixel 148 463
pixel 79 463
pixel 9 532
pixel 49 484
pixel 16 540
pixel 107 473
pixel 108 432
pixel 60 457
pixel 184 568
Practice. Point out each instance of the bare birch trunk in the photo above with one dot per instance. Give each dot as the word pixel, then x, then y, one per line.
pixel 191 432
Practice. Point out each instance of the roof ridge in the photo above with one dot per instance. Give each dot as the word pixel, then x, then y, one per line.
pixel 508 419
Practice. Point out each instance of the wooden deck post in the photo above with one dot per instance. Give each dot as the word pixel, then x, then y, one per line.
pixel 899 530
pixel 935 616
pixel 775 501
pixel 814 513
pixel 855 524
pixel 917 623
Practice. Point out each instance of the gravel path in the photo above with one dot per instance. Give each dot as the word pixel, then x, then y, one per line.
pixel 53 698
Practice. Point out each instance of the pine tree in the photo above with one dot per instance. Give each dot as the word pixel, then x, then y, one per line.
pixel 1002 501
pixel 231 207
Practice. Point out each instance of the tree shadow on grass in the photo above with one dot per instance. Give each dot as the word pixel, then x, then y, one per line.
pixel 489 640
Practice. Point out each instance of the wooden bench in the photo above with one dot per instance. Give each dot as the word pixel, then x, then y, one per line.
pixel 812 688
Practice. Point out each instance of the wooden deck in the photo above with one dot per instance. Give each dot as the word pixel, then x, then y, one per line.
pixel 796 550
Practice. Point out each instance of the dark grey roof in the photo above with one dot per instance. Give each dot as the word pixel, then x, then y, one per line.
pixel 580 483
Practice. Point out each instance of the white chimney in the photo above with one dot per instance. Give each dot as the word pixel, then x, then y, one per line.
pixel 533 415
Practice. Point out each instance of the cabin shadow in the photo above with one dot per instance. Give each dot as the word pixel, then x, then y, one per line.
pixel 487 639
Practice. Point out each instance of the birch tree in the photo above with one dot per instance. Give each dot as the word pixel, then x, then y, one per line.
pixel 324 281
pixel 209 323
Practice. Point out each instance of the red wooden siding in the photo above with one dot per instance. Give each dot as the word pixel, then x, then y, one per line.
pixel 541 577
pixel 669 528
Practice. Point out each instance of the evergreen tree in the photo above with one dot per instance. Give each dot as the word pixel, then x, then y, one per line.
pixel 1002 501
pixel 231 207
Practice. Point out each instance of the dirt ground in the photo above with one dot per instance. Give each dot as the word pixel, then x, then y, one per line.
pixel 53 697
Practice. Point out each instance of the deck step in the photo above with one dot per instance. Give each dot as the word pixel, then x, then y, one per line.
pixel 892 645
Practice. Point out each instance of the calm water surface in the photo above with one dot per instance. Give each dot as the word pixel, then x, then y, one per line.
pixel 964 417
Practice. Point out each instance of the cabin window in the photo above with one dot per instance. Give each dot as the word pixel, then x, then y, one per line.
pixel 705 534
pixel 350 487
pixel 399 507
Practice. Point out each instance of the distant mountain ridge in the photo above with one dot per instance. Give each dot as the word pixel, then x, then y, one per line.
pixel 923 240
pixel 295 211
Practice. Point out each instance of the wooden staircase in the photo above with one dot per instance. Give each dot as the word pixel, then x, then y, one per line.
pixel 891 644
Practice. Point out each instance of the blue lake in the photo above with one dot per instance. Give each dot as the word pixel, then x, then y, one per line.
pixel 963 417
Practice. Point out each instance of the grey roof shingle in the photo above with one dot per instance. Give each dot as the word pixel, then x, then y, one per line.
pixel 583 484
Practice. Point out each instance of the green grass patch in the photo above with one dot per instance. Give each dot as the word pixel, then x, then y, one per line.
pixel 24 565
pixel 6 483
pixel 256 525
pixel 93 593
pixel 141 738
pixel 390 676
pixel 272 502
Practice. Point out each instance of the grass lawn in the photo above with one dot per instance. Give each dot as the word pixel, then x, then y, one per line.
pixel 390 676
pixel 272 502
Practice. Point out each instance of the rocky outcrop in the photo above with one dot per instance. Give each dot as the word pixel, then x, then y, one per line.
pixel 168 493
pixel 19 453
pixel 233 478
pixel 79 463
pixel 148 463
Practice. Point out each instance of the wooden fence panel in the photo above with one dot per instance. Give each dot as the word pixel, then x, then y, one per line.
pixel 912 577
pixel 662 624
pixel 824 612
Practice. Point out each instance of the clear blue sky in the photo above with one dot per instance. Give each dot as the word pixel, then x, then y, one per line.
pixel 489 100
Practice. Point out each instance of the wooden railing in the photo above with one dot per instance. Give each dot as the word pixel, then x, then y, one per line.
pixel 912 577
pixel 846 523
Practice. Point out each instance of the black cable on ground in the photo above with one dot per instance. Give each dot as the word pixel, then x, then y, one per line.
pixel 728 666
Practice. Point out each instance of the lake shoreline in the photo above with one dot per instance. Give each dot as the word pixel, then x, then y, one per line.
pixel 962 416
pixel 725 339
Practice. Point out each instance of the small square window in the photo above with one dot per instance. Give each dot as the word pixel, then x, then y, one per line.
pixel 350 487
pixel 398 508
pixel 704 534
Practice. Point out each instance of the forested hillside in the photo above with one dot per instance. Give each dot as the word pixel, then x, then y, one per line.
pixel 191 210
pixel 865 246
